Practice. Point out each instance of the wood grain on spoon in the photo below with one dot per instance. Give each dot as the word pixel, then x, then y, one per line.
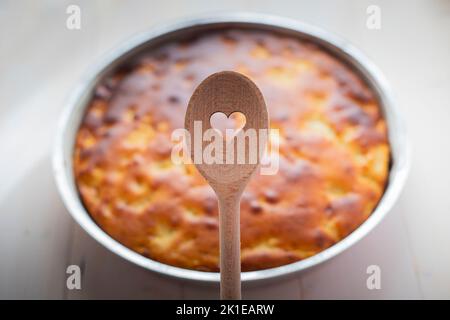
pixel 228 92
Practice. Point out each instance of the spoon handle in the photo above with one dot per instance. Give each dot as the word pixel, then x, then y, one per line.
pixel 230 247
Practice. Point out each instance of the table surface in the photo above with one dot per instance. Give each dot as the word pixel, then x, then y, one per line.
pixel 41 60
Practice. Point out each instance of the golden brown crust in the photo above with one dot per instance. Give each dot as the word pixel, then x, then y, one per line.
pixel 334 153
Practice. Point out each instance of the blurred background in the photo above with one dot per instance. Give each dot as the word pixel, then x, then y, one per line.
pixel 41 60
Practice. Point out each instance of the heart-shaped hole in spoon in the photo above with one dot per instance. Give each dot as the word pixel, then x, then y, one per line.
pixel 228 126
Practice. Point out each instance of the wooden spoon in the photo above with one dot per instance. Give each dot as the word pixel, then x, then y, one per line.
pixel 228 92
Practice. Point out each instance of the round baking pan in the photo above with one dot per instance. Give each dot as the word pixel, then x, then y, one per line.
pixel 129 51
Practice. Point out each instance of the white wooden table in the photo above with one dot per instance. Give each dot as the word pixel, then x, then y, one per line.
pixel 41 60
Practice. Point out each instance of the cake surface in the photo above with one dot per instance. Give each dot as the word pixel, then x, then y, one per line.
pixel 333 166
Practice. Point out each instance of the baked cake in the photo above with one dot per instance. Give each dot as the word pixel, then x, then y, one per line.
pixel 334 152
